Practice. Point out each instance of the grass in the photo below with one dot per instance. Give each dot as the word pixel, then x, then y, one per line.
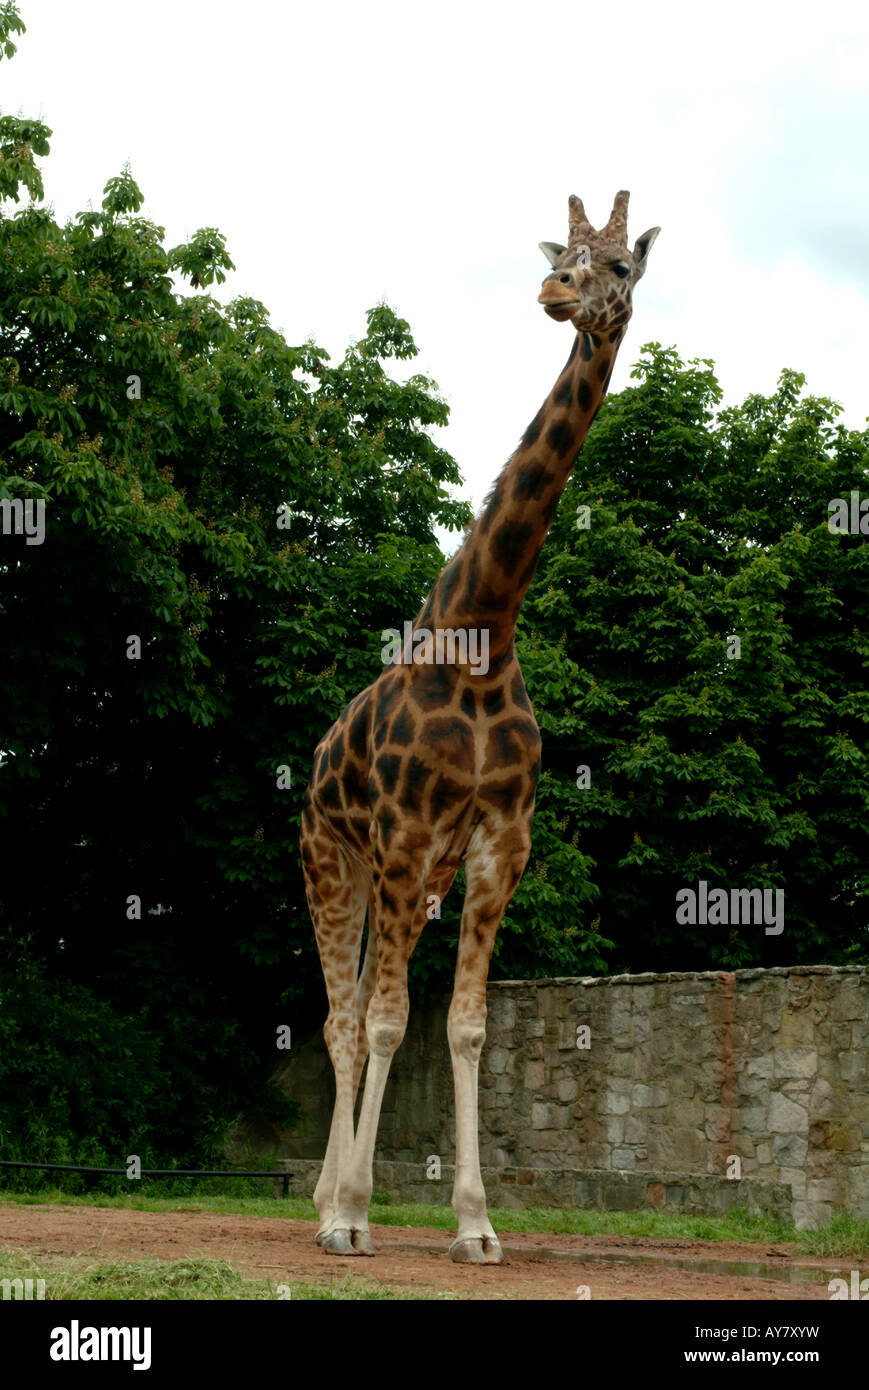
pixel 843 1236
pixel 192 1280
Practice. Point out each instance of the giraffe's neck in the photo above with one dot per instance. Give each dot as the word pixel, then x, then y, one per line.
pixel 485 582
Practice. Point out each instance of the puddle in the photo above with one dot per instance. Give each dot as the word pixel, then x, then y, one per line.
pixel 747 1269
pixel 785 1273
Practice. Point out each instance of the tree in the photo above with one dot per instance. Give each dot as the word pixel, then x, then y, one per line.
pixel 229 524
pixel 742 771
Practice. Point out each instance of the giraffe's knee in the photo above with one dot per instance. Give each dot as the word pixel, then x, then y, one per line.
pixel 385 1030
pixel 384 1037
pixel 466 1037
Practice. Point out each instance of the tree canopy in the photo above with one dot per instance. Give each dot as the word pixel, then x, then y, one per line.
pixel 230 522
pixel 698 638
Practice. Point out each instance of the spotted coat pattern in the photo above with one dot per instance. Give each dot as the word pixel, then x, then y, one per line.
pixel 436 764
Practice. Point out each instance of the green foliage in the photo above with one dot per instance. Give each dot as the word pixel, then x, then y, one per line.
pixel 748 772
pixel 85 1084
pixel 253 516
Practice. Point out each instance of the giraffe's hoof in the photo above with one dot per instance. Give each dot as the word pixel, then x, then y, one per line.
pixel 480 1250
pixel 337 1243
pixel 362 1242
pixel 344 1241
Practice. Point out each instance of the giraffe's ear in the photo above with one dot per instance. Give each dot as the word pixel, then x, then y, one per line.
pixel 551 250
pixel 642 247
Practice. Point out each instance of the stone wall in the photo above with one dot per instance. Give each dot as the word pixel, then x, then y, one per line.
pixel 674 1076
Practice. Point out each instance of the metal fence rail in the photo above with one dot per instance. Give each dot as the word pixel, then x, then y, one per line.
pixel 157 1172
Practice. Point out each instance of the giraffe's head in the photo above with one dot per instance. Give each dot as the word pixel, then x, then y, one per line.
pixel 593 275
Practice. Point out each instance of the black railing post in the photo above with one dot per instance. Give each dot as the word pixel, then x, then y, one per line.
pixel 154 1172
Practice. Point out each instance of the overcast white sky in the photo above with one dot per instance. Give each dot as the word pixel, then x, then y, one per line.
pixel 354 151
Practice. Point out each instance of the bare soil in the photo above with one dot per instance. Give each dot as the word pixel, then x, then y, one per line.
pixel 536 1266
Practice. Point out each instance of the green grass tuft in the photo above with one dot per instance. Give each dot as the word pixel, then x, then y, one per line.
pixel 77 1277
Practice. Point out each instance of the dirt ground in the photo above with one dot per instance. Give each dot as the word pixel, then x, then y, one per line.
pixel 536 1266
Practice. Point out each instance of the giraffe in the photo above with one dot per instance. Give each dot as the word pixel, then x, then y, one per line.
pixel 437 762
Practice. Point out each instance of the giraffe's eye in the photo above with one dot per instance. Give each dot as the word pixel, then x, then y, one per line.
pixel 622 270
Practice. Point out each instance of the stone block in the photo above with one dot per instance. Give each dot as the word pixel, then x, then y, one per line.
pixel 858 1190
pixel 718 1124
pixel 810 1216
pixel 689 1148
pixel 796 1061
pixel 840 1038
pixel 843 1139
pixel 760 1066
pixel 624 1159
pixel 753 1119
pixel 797 1180
pixel 797 1029
pixel 642 1029
pixel 621 1064
pixel 625 1196
pixel 785 1116
pixel 789 1150
pixel 503 1010
pixel 852 1067
pixel 615 1129
pixel 849 1002
pixel 752 1086
pixel 643 1096
pixel 821 1099
pixel 824 1190
pixel 635 1128
pixel 533 1079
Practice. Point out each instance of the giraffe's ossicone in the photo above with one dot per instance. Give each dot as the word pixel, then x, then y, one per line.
pixel 436 763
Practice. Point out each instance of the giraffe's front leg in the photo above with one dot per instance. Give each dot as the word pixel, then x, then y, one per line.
pixel 476 1241
pixel 493 867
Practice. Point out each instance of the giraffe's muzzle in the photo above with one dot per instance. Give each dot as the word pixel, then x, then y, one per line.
pixel 558 299
pixel 560 309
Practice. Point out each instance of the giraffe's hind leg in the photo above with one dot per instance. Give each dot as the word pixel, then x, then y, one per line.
pixel 338 898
